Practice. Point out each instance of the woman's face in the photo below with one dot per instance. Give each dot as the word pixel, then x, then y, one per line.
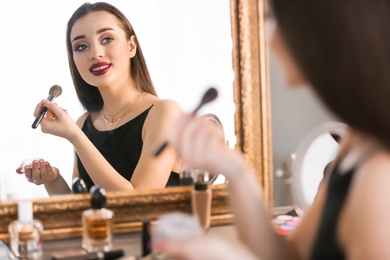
pixel 294 76
pixel 101 51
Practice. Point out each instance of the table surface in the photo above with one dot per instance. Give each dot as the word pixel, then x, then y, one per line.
pixel 130 243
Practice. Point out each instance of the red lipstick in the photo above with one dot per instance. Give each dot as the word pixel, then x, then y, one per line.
pixel 100 68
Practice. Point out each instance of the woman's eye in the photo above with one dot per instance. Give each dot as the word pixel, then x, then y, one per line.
pixel 106 40
pixel 80 47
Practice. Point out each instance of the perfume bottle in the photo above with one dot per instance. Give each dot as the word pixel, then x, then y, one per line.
pixel 79 186
pixel 97 223
pixel 26 233
pixel 201 197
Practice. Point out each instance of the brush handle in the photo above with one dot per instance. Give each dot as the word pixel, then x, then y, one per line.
pixel 160 149
pixel 41 113
pixel 39 117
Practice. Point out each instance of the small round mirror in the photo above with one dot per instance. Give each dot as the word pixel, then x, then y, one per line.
pixel 314 153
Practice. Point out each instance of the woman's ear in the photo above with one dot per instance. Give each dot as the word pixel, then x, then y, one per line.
pixel 132 46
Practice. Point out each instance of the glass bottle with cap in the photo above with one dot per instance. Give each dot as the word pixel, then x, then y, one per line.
pixel 26 233
pixel 97 223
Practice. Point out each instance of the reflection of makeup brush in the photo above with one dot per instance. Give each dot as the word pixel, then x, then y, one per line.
pixel 54 92
pixel 208 96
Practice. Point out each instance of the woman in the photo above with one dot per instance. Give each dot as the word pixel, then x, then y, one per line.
pixel 341 49
pixel 124 119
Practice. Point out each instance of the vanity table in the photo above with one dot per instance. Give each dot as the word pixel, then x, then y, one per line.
pixel 130 243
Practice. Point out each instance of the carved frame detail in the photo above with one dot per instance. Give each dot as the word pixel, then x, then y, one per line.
pixel 252 93
pixel 61 215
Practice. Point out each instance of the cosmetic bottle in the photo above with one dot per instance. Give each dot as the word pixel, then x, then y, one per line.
pixel 145 243
pixel 201 197
pixel 97 223
pixel 26 233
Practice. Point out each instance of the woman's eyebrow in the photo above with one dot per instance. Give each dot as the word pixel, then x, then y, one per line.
pixel 97 32
pixel 104 29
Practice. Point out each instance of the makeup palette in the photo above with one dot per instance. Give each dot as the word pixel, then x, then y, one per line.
pixel 285 224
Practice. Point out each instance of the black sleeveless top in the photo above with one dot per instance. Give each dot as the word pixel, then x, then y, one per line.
pixel 121 147
pixel 325 244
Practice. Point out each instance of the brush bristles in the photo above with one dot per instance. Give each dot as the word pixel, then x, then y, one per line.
pixel 55 90
pixel 211 94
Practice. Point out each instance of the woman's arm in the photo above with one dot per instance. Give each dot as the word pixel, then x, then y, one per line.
pixel 58 186
pixel 153 172
pixel 201 145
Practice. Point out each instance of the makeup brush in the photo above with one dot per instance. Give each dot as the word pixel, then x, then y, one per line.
pixel 208 96
pixel 54 92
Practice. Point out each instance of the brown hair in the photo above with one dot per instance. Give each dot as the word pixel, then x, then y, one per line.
pixel 89 95
pixel 343 49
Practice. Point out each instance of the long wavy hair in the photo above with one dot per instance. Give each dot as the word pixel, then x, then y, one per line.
pixel 343 49
pixel 89 95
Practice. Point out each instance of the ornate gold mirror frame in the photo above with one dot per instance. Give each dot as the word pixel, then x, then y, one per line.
pixel 61 215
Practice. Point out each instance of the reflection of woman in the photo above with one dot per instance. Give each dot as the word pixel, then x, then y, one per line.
pixel 124 117
pixel 342 50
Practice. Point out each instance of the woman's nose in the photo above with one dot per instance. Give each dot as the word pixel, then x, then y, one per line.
pixel 96 52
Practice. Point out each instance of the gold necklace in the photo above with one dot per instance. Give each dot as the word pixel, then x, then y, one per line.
pixel 112 120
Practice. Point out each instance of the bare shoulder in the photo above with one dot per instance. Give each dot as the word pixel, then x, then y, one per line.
pixel 161 116
pixel 368 209
pixel 80 121
pixel 167 104
pixel 164 108
pixel 375 170
pixel 371 183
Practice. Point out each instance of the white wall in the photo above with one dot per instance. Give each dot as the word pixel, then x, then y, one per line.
pixel 294 113
pixel 187 46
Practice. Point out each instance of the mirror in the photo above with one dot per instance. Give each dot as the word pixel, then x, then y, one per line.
pixel 314 154
pixel 184 59
pixel 248 85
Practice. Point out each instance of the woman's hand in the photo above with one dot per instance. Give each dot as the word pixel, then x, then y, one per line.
pixel 56 120
pixel 39 172
pixel 201 144
pixel 203 248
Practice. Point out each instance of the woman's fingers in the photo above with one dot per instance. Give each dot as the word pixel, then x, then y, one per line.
pixel 204 247
pixel 195 139
pixel 38 172
pixel 38 108
pixel 28 173
pixel 47 173
pixel 53 108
